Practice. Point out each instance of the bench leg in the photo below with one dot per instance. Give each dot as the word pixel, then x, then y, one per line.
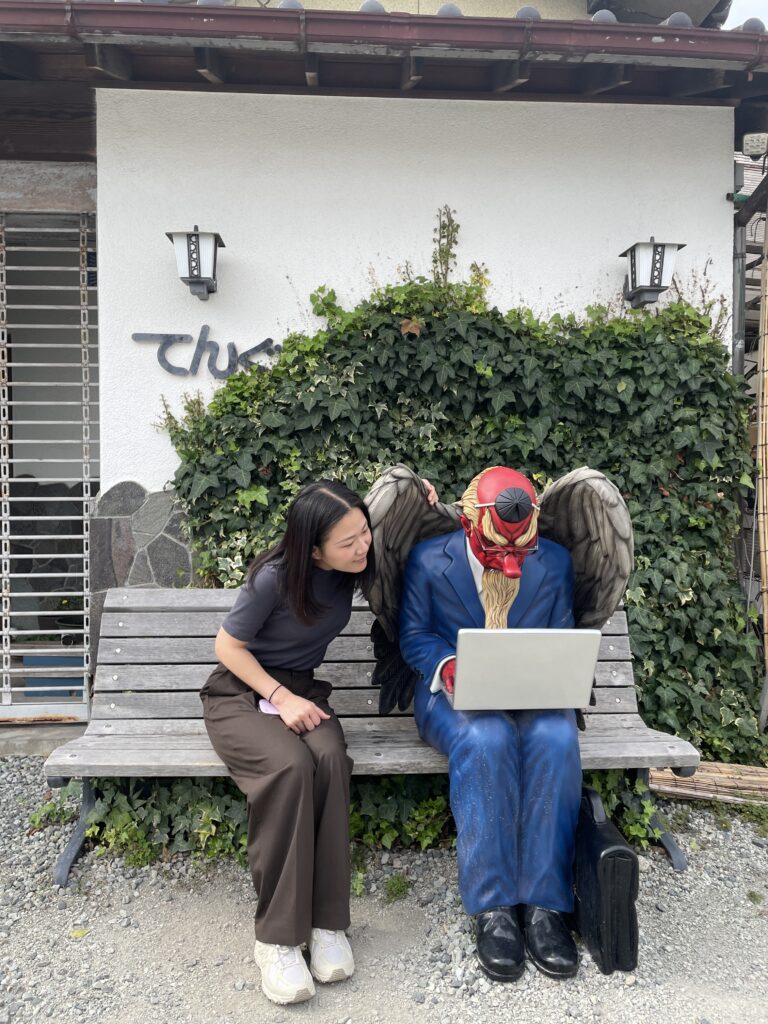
pixel 670 844
pixel 74 847
pixel 666 839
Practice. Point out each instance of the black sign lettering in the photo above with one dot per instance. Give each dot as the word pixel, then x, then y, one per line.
pixel 205 345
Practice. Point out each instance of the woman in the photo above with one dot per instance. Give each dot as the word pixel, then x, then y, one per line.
pixel 269 721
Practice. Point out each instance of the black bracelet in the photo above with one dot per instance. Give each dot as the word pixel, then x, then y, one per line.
pixel 274 692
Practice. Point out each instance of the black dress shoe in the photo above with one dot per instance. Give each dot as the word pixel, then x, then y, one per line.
pixel 550 943
pixel 500 946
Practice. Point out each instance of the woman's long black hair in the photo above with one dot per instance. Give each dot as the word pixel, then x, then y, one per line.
pixel 311 515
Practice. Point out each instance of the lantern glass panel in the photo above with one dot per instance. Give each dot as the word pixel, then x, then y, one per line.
pixel 670 255
pixel 182 253
pixel 643 264
pixel 207 254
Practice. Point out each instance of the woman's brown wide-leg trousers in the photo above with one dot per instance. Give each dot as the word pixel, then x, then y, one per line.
pixel 297 789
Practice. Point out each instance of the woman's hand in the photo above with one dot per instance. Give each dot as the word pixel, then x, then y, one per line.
pixel 431 492
pixel 298 714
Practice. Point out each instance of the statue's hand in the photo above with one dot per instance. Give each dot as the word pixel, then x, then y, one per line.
pixel 448 675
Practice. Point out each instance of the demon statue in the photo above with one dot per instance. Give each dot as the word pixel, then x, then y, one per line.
pixel 499 558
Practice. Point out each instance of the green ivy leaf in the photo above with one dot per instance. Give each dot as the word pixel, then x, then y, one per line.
pixel 258 494
pixel 337 407
pixel 201 483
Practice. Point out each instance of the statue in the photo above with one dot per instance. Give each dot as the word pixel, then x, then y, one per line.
pixel 498 558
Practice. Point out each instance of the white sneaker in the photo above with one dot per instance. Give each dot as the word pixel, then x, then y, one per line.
pixel 284 974
pixel 330 955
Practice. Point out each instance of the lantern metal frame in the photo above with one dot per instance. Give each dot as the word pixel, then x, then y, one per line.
pixel 189 260
pixel 641 293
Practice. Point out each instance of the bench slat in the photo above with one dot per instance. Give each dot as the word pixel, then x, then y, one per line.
pixel 186 650
pixel 361 701
pixel 175 599
pixel 373 750
pixel 171 599
pixel 206 624
pixel 616 625
pixel 195 624
pixel 196 726
pixel 191 677
pixel 173 678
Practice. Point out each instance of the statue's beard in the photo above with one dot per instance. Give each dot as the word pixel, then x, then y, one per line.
pixel 499 591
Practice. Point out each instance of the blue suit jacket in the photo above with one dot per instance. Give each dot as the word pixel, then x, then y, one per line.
pixel 440 598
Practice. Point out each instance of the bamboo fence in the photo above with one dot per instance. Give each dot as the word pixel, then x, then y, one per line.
pixel 725 783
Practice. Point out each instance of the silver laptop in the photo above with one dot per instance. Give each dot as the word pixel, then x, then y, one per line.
pixel 524 669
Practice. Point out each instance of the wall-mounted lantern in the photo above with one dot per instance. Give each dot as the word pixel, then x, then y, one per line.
pixel 196 259
pixel 651 266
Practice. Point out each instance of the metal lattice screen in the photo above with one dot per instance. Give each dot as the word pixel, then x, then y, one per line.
pixel 48 461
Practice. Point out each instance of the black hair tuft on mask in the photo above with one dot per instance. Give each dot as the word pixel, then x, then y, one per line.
pixel 514 505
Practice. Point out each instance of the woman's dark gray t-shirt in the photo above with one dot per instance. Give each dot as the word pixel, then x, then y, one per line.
pixel 262 617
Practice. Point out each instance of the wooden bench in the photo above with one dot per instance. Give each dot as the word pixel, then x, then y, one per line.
pixel 156 651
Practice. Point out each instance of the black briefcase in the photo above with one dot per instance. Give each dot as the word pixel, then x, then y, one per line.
pixel 606 873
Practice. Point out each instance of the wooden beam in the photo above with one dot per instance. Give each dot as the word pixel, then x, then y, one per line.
pixel 209 63
pixel 47 121
pixel 508 74
pixel 601 78
pixel 312 69
pixel 696 82
pixel 110 60
pixel 16 62
pixel 30 187
pixel 412 72
pixel 755 203
pixel 749 86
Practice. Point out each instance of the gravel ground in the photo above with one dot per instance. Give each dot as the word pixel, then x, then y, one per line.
pixel 174 943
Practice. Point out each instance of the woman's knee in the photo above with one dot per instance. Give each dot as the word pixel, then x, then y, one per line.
pixel 290 771
pixel 331 758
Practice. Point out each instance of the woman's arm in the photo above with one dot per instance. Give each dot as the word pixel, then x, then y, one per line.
pixel 298 714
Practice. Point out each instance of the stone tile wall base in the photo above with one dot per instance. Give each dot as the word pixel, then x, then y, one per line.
pixel 137 540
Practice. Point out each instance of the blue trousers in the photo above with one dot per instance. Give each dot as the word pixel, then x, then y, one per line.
pixel 515 789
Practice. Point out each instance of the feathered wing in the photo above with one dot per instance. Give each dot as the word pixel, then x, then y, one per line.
pixel 400 517
pixel 585 513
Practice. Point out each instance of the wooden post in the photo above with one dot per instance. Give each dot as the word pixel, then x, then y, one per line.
pixel 762 462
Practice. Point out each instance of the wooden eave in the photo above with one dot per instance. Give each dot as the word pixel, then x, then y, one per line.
pixel 55 54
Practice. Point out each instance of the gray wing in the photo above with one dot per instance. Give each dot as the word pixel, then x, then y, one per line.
pixel 585 513
pixel 400 518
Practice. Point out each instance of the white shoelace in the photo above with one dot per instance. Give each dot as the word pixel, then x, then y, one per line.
pixel 287 956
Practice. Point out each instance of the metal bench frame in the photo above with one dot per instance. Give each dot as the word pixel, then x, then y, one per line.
pixel 156 651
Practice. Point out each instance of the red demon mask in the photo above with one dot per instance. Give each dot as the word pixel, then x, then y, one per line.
pixel 510 500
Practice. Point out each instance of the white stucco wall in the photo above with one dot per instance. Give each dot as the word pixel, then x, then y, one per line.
pixel 342 191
